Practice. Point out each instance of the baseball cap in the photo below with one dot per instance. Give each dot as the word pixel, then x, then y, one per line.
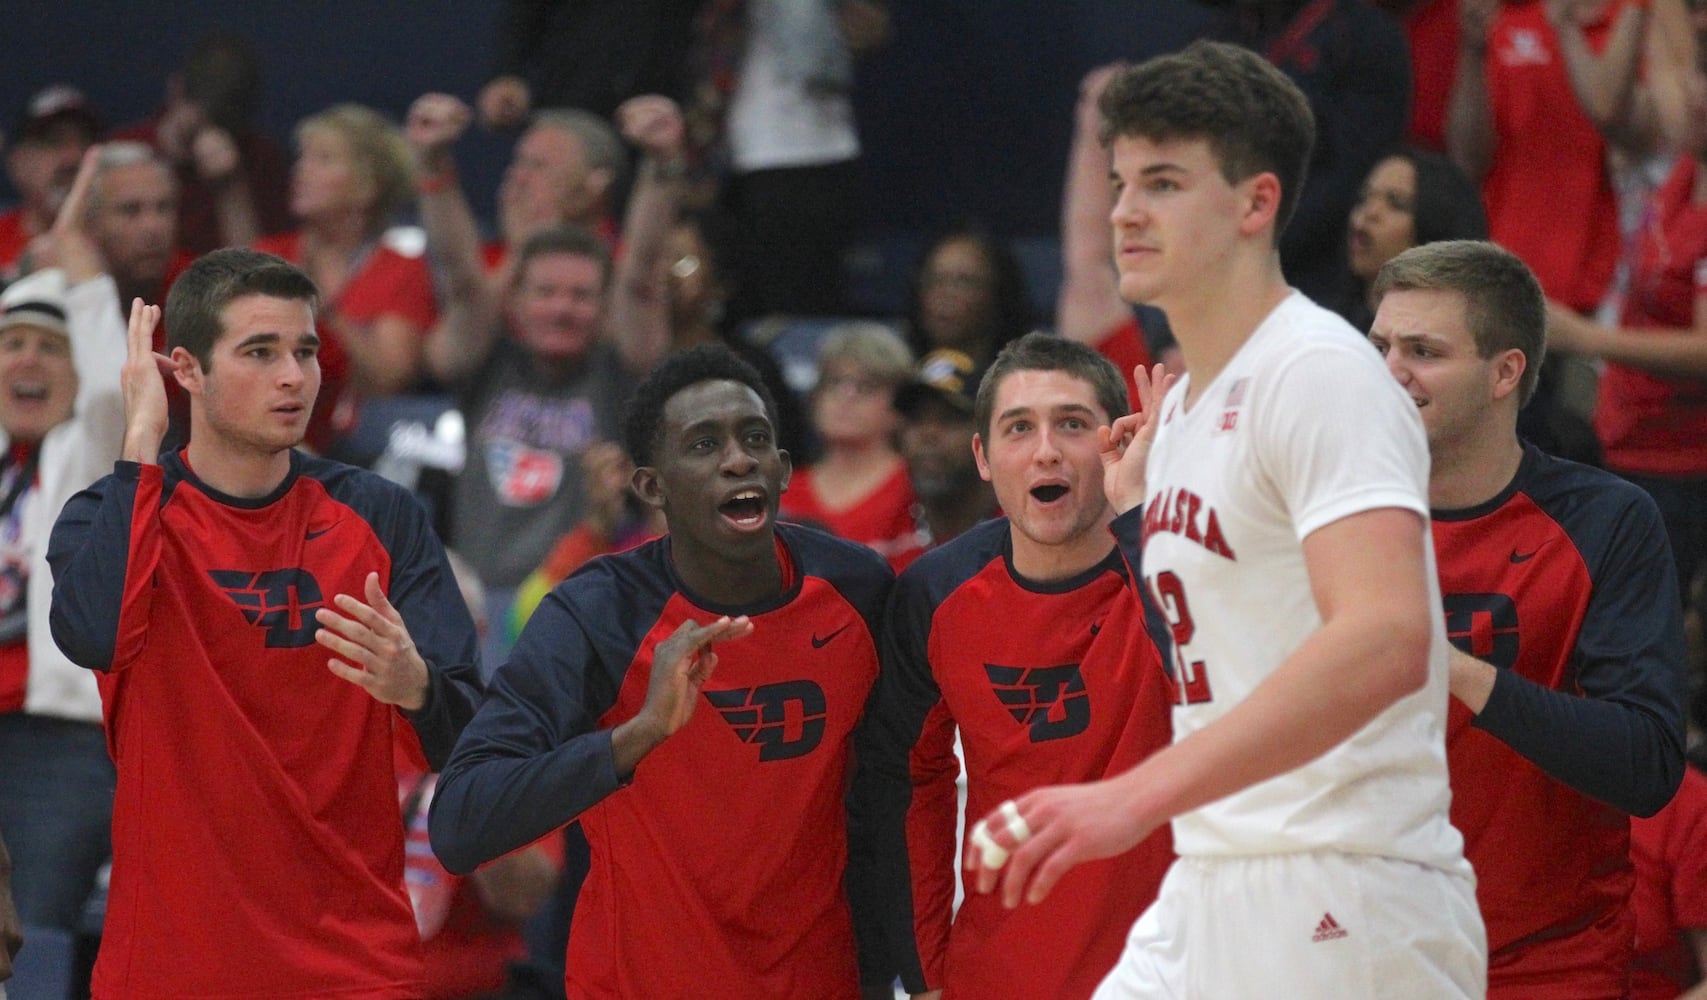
pixel 38 300
pixel 945 374
pixel 52 105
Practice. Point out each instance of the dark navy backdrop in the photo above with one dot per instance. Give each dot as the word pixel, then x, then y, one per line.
pixel 966 113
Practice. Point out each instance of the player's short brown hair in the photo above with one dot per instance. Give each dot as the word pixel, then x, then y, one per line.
pixel 195 307
pixel 1503 303
pixel 1044 352
pixel 1254 119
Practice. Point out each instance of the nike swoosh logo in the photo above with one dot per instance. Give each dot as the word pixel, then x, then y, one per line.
pixel 820 643
pixel 1516 558
pixel 312 535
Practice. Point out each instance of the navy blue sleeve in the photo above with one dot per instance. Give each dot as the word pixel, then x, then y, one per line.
pixel 1128 531
pixel 880 886
pixel 423 588
pixel 534 757
pixel 1622 741
pixel 88 552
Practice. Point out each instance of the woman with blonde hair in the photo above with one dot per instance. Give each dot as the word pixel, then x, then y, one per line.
pixel 859 489
pixel 353 173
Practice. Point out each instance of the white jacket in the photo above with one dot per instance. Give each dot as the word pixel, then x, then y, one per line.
pixel 73 455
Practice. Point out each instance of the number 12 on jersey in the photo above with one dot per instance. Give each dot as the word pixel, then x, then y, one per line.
pixel 1191 679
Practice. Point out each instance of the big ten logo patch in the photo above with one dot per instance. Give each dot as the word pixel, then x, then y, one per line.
pixel 1484 626
pixel 1052 701
pixel 1228 422
pixel 282 601
pixel 785 719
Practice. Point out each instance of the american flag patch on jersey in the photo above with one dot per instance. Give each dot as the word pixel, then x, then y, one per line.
pixel 1229 421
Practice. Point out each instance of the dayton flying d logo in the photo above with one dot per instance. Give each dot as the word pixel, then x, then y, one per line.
pixel 282 601
pixel 1051 700
pixel 786 720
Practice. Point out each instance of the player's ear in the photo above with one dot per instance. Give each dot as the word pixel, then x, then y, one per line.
pixel 1262 204
pixel 1509 367
pixel 187 370
pixel 978 456
pixel 787 468
pixel 648 486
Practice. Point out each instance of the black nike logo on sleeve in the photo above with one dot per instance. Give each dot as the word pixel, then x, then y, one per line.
pixel 1523 558
pixel 819 642
pixel 311 535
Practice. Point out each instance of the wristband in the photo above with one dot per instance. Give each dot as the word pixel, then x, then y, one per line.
pixel 435 183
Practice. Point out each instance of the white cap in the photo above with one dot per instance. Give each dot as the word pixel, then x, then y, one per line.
pixel 38 300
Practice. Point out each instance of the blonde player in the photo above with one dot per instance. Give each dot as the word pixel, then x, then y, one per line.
pixel 1286 540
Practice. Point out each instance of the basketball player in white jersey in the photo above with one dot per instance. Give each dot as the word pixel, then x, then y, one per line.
pixel 1286 540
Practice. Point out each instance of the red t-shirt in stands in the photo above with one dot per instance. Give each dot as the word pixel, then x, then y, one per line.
pixel 386 283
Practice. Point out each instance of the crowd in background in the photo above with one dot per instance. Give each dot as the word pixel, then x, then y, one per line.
pixel 687 172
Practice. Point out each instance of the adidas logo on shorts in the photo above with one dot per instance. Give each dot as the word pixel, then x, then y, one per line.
pixel 1328 930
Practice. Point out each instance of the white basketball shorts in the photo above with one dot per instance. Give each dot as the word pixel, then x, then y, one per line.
pixel 1318 924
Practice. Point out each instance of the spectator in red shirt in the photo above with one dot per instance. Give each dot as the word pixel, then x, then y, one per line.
pixel 1544 91
pixel 859 489
pixel 353 173
pixel 1651 415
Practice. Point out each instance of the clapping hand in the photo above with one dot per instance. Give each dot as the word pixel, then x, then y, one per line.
pixel 375 651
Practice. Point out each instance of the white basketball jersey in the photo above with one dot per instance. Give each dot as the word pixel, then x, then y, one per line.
pixel 1302 428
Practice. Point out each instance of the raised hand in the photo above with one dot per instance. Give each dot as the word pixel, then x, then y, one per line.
pixel 681 665
pixel 216 155
pixel 142 379
pixel 505 103
pixel 1092 86
pixel 653 123
pixel 68 244
pixel 374 649
pixel 178 127
pixel 1125 443
pixel 434 124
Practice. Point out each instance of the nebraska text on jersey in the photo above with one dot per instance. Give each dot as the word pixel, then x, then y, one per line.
pixel 1181 512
